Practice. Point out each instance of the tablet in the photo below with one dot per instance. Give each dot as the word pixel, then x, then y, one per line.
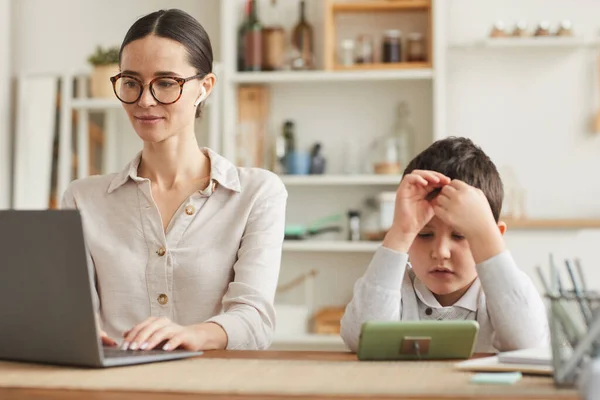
pixel 417 340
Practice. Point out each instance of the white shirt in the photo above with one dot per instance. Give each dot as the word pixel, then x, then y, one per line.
pixel 509 310
pixel 218 261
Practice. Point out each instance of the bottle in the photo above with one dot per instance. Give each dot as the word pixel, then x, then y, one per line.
pixel 317 161
pixel 241 38
pixel 253 41
pixel 273 39
pixel 353 225
pixel 302 41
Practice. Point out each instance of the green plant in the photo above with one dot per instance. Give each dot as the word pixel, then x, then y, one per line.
pixel 104 57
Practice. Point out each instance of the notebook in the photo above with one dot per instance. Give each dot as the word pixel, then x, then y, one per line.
pixel 536 361
pixel 536 356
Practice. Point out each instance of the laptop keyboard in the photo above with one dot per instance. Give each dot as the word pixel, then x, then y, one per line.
pixel 113 352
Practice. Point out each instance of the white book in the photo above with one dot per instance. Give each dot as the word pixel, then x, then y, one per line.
pixel 535 356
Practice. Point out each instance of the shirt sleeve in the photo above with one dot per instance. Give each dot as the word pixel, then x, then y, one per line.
pixel 68 202
pixel 248 315
pixel 376 295
pixel 516 309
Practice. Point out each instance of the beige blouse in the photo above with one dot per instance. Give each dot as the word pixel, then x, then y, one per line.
pixel 218 261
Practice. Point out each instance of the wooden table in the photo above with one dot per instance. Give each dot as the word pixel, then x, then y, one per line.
pixel 47 394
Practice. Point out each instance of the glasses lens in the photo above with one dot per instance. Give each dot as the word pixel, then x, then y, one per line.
pixel 127 89
pixel 166 90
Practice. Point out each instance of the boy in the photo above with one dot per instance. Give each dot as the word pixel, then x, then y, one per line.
pixel 446 221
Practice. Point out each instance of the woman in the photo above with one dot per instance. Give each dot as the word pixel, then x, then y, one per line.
pixel 186 247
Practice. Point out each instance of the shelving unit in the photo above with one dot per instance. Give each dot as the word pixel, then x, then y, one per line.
pixel 334 8
pixel 391 81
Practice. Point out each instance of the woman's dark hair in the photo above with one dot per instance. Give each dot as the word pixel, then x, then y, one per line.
pixel 180 26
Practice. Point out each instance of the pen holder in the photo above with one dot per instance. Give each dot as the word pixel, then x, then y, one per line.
pixel 575 334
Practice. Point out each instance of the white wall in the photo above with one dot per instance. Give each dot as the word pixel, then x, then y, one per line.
pixel 59 35
pixel 532 110
pixel 5 136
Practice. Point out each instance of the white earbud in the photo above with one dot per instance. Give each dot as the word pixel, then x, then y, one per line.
pixel 202 97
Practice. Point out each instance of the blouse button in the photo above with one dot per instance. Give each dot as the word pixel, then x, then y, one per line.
pixel 161 252
pixel 163 299
pixel 189 210
pixel 428 311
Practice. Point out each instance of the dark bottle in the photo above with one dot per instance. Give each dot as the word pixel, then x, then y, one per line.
pixel 289 136
pixel 241 66
pixel 353 225
pixel 317 161
pixel 253 41
pixel 302 41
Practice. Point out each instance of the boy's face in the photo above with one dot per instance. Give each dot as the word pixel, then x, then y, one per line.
pixel 441 258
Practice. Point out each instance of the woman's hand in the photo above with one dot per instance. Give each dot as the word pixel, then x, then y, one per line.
pixel 167 335
pixel 106 341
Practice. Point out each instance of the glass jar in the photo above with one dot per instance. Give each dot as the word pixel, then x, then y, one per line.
pixel 347 52
pixel 415 48
pixel 392 46
pixel 390 153
pixel 364 49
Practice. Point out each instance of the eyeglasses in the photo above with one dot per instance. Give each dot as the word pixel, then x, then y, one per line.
pixel 165 90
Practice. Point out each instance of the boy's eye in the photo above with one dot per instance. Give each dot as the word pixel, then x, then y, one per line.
pixel 425 235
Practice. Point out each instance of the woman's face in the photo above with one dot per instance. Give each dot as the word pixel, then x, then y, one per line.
pixel 151 57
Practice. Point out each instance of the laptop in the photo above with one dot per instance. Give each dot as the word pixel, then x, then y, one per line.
pixel 46 307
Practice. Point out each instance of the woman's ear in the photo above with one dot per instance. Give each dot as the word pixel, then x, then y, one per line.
pixel 502 227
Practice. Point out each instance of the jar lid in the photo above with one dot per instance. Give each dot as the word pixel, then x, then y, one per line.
pixel 393 33
pixel 544 25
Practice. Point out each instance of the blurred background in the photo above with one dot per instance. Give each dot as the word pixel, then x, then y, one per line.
pixel 336 97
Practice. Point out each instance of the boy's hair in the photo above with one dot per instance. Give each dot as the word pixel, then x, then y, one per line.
pixel 459 158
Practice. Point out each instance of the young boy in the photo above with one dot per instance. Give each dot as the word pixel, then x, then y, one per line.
pixel 446 222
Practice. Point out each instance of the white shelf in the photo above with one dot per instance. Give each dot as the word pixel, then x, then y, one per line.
pixel 333 246
pixel 318 180
pixel 95 104
pixel 331 76
pixel 530 42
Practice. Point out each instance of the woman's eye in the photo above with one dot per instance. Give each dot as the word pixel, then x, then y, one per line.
pixel 425 235
pixel 457 236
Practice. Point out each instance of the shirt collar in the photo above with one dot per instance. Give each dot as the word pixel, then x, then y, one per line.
pixel 468 301
pixel 222 171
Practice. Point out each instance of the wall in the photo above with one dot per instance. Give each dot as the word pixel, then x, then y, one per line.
pixel 532 110
pixel 54 36
pixel 529 109
pixel 5 137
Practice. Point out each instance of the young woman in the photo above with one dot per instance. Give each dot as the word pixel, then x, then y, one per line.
pixel 186 247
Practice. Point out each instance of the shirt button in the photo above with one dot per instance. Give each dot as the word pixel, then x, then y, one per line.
pixel 161 252
pixel 428 311
pixel 189 210
pixel 163 299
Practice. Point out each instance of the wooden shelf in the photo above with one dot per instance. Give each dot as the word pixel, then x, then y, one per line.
pixel 551 224
pixel 381 6
pixel 384 66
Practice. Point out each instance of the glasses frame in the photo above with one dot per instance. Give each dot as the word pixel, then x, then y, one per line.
pixel 180 81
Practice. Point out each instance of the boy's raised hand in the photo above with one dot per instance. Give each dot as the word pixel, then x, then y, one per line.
pixel 413 209
pixel 466 209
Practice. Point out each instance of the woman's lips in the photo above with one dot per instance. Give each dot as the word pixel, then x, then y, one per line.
pixel 148 119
